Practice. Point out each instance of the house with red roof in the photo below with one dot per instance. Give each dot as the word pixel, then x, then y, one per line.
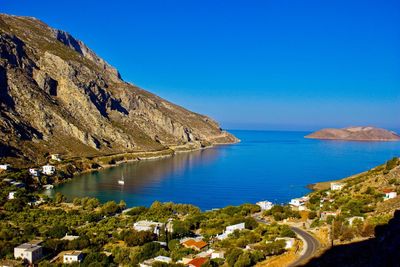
pixel 195 244
pixel 197 262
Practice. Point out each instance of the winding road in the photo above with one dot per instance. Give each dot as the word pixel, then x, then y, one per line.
pixel 311 245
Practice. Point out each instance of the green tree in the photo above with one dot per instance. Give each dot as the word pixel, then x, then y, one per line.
pixel 232 255
pixel 243 260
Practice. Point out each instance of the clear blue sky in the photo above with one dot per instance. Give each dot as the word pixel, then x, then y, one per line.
pixel 249 64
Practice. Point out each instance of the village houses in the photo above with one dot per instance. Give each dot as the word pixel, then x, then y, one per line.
pixel 30 251
pixel 325 214
pixel 55 157
pixel 389 194
pixel 34 172
pixel 73 256
pixel 11 195
pixel 194 244
pixel 337 186
pixel 355 218
pixel 298 202
pixel 148 226
pixel 4 166
pixel 150 262
pixel 265 205
pixel 230 229
pixel 48 169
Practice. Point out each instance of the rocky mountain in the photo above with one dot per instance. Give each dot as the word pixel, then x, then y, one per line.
pixel 58 96
pixel 355 134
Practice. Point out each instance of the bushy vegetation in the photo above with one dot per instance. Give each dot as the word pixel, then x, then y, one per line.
pixel 279 212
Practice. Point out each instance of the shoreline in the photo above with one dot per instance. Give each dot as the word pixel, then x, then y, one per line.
pixel 132 157
pixel 326 184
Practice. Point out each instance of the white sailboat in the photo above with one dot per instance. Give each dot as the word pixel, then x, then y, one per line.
pixel 121 181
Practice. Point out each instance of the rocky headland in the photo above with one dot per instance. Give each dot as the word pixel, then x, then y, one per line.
pixel 58 96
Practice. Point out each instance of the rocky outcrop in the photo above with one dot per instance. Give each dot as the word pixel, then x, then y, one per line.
pixel 356 134
pixel 58 96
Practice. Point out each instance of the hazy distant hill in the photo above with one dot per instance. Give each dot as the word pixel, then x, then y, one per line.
pixel 356 133
pixel 57 95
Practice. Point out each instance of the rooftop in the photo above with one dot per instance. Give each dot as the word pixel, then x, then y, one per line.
pixel 198 244
pixel 73 253
pixel 198 262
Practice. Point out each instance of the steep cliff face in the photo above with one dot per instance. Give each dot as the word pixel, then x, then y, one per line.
pixel 58 96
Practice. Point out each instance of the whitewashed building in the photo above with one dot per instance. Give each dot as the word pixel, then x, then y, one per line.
pixel 218 255
pixel 337 186
pixel 355 218
pixel 265 205
pixel 325 214
pixel 289 241
pixel 150 262
pixel 48 169
pixel 389 194
pixel 151 226
pixel 4 166
pixel 70 237
pixel 297 202
pixel 11 195
pixel 34 172
pixel 73 256
pixel 29 251
pixel 55 157
pixel 230 229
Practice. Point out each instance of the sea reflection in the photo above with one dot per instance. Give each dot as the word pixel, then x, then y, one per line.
pixel 140 177
pixel 266 165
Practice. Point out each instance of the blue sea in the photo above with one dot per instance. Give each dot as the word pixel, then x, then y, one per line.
pixel 265 165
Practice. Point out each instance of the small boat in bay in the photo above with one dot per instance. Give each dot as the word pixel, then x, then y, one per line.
pixel 121 181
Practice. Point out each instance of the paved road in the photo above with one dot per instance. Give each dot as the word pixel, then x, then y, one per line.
pixel 311 246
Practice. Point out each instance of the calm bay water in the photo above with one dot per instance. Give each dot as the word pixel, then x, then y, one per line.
pixel 266 165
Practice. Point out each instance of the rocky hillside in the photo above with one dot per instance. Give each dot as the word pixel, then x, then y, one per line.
pixel 58 96
pixel 355 134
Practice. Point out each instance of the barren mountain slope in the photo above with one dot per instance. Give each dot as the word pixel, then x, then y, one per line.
pixel 57 96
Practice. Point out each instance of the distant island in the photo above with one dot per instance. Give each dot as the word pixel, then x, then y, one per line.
pixel 355 134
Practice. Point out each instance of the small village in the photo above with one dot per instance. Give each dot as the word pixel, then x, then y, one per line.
pixel 85 231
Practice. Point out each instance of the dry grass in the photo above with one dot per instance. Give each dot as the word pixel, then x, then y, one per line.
pixel 284 259
pixel 279 261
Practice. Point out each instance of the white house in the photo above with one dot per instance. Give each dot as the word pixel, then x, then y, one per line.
pixel 297 202
pixel 337 186
pixel 148 226
pixel 352 219
pixel 55 157
pixel 265 205
pixel 48 169
pixel 389 194
pixel 11 195
pixel 4 166
pixel 150 262
pixel 230 229
pixel 73 256
pixel 70 237
pixel 324 215
pixel 18 184
pixel 29 251
pixel 289 242
pixel 218 255
pixel 34 172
